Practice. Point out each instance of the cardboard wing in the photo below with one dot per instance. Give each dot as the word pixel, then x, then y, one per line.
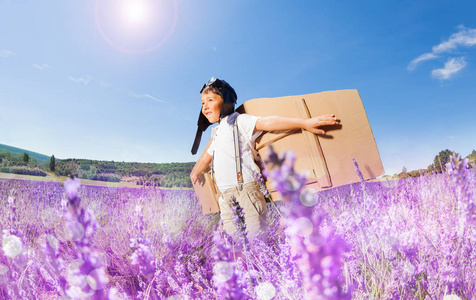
pixel 327 159
pixel 206 189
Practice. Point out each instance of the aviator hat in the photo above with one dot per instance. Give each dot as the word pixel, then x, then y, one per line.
pixel 229 100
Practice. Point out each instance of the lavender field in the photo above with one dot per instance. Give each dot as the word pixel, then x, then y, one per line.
pixel 407 239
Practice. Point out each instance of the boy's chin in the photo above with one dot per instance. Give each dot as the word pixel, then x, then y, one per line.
pixel 212 120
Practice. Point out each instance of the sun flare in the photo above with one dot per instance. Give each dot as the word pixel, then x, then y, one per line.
pixel 135 12
pixel 135 26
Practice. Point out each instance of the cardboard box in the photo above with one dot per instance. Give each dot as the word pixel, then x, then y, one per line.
pixel 206 189
pixel 327 159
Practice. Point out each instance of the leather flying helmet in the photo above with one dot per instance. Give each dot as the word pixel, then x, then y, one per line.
pixel 229 100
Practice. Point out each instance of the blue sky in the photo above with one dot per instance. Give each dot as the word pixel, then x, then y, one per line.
pixel 120 79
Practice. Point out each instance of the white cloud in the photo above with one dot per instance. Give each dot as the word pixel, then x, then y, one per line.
pixel 148 97
pixel 42 67
pixel 452 66
pixel 423 57
pixel 6 53
pixel 465 37
pixel 85 80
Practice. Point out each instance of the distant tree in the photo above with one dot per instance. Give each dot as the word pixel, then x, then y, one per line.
pixel 415 173
pixel 52 163
pixel 26 157
pixel 6 155
pixel 440 161
pixel 404 170
pixel 32 162
pixel 472 154
pixel 472 159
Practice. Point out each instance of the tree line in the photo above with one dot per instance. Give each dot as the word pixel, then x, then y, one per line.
pixel 24 164
pixel 438 165
pixel 157 174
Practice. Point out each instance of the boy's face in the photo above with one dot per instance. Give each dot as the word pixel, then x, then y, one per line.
pixel 211 106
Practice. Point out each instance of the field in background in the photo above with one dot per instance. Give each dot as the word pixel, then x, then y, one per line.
pixel 49 178
pixel 407 239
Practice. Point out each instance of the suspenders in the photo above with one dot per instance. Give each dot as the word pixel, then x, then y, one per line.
pixel 239 175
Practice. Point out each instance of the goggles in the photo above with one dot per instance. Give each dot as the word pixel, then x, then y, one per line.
pixel 213 82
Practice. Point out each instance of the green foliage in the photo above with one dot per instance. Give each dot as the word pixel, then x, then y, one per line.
pixel 43 159
pixel 67 167
pixel 440 160
pixel 177 179
pixel 165 174
pixel 417 173
pixel 438 165
pixel 108 178
pixel 26 157
pixel 90 173
pixel 52 163
pixel 472 159
pixel 22 171
pixel 403 175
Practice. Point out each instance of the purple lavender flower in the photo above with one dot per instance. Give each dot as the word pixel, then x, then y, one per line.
pixel 320 248
pixel 458 169
pixel 262 186
pixel 89 270
pixel 357 170
pixel 470 213
pixel 71 187
pixel 239 222
pixel 142 255
pixel 225 279
pixel 54 263
pixel 281 172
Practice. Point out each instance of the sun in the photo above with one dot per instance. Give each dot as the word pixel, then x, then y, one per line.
pixel 135 26
pixel 135 12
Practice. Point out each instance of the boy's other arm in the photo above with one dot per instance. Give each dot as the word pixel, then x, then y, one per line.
pixel 276 123
pixel 201 166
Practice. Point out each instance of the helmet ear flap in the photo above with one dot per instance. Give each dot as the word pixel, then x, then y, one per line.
pixel 203 124
pixel 229 99
pixel 227 109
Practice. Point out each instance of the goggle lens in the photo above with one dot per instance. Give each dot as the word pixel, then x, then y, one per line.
pixel 214 82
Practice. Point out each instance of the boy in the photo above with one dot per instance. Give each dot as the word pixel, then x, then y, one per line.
pixel 218 99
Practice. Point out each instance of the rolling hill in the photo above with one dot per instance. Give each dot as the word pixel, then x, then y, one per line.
pixel 21 151
pixel 162 174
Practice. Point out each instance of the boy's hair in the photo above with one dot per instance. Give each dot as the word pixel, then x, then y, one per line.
pixel 212 89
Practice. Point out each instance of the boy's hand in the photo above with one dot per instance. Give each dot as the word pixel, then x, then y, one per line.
pixel 312 124
pixel 202 163
pixel 195 179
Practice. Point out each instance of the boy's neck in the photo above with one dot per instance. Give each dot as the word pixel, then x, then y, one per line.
pixel 219 120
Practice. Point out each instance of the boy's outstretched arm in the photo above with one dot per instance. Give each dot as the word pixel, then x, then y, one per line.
pixel 276 123
pixel 201 166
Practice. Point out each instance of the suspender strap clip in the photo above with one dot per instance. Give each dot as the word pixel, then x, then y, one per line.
pixel 239 174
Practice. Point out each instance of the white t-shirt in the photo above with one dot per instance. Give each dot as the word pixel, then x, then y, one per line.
pixel 223 151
